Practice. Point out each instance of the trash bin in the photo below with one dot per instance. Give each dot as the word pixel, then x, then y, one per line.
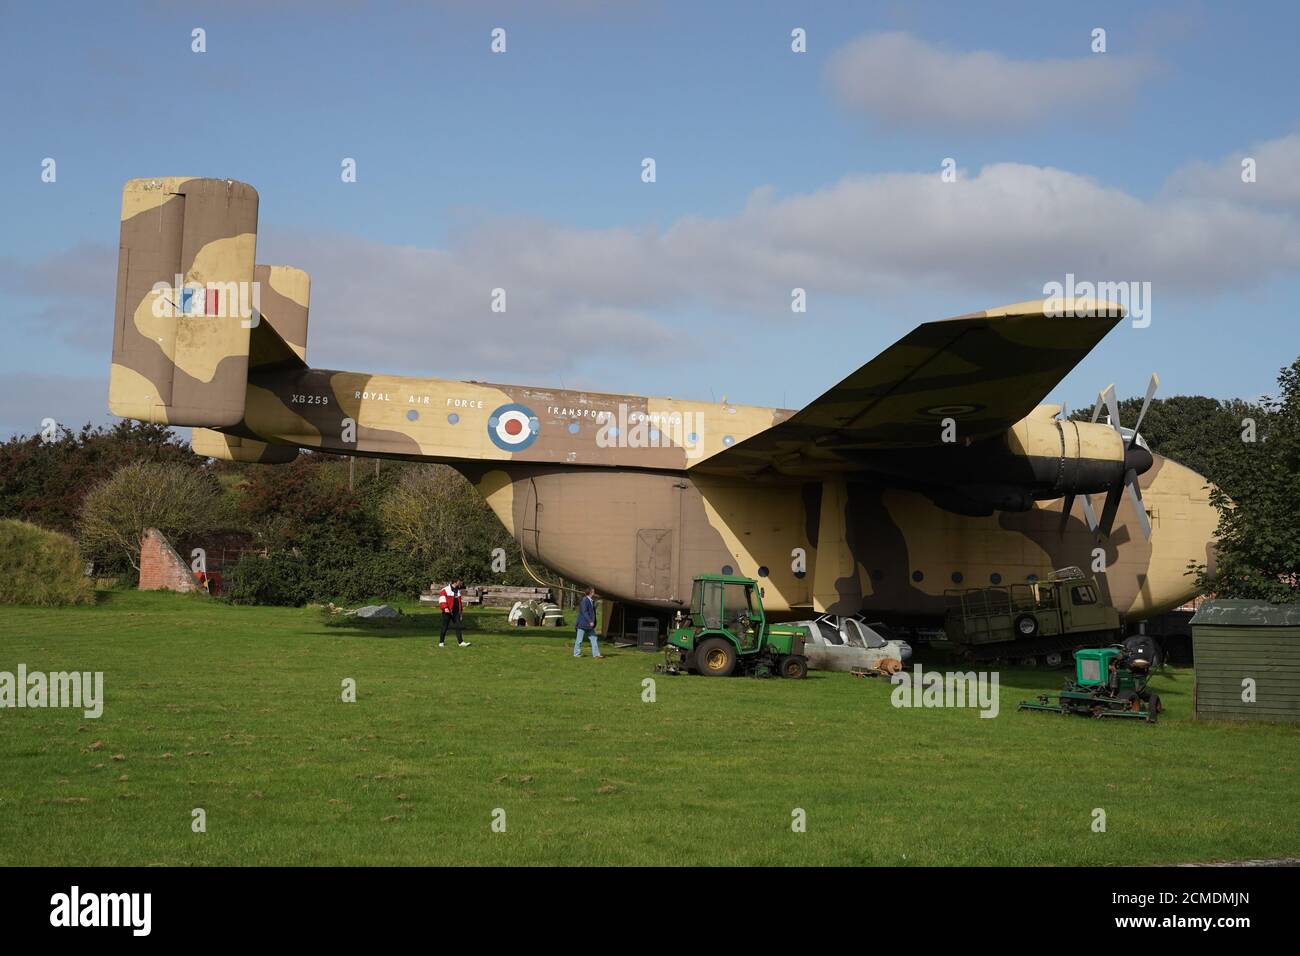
pixel 647 633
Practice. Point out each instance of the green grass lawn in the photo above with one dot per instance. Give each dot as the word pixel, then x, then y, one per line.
pixel 238 711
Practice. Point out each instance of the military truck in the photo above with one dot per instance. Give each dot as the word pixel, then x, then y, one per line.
pixel 727 633
pixel 1031 622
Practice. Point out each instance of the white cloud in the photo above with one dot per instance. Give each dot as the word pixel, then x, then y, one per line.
pixel 585 299
pixel 570 295
pixel 904 82
pixel 1276 171
pixel 1001 228
pixel 996 235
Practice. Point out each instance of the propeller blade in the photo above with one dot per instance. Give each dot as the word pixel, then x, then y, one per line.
pixel 1066 508
pixel 1096 409
pixel 1064 414
pixel 1109 509
pixel 1135 496
pixel 1112 409
pixel 1151 391
pixel 1088 514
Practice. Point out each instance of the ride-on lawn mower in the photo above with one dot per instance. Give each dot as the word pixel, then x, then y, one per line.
pixel 1108 682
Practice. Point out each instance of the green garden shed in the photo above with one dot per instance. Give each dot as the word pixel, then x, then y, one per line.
pixel 1247 656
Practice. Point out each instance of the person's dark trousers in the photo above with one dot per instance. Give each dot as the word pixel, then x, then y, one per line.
pixel 449 618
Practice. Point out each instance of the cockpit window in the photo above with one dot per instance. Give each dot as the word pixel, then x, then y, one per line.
pixel 872 638
pixel 852 632
pixel 829 633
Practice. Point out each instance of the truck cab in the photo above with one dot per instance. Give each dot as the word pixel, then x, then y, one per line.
pixel 1081 607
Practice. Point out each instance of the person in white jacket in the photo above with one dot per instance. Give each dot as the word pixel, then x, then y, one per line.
pixel 452 611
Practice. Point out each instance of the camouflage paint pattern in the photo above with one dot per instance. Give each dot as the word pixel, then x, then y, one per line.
pixel 181 369
pixel 857 501
pixel 279 339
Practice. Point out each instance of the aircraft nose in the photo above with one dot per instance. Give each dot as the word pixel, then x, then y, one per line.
pixel 1185 530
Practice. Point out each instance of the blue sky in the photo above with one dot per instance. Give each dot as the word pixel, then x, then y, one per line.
pixel 774 170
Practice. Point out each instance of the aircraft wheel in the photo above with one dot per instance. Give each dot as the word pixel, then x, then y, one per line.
pixel 1028 662
pixel 1054 659
pixel 794 667
pixel 715 657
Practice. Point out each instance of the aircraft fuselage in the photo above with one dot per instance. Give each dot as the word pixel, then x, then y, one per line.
pixel 625 508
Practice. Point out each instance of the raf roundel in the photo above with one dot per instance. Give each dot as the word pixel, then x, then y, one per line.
pixel 513 427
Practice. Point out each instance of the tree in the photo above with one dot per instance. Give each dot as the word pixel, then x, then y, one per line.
pixel 1193 430
pixel 435 513
pixel 45 481
pixel 1258 551
pixel 169 496
pixel 287 505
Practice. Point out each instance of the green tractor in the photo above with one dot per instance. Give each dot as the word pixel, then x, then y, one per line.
pixel 727 633
pixel 1108 682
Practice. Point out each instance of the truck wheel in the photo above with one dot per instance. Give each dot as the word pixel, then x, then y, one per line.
pixel 1026 625
pixel 794 667
pixel 715 657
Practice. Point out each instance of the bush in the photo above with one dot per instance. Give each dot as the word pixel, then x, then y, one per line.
pixel 40 567
pixel 433 512
pixel 175 499
pixel 342 573
pixel 347 561
pixel 279 579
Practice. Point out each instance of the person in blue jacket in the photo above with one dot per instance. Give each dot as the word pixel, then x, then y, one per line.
pixel 587 625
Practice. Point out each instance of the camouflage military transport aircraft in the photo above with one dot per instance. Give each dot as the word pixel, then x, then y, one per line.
pixel 932 466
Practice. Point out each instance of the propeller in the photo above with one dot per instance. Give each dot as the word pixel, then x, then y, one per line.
pixel 1137 459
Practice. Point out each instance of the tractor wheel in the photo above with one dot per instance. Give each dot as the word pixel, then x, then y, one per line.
pixel 1027 625
pixel 794 667
pixel 1153 708
pixel 715 657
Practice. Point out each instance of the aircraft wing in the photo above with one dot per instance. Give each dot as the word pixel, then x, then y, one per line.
pixel 986 371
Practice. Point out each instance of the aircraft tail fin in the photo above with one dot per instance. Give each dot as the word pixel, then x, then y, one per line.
pixel 279 339
pixel 185 301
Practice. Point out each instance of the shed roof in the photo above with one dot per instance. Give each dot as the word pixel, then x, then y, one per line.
pixel 1247 613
